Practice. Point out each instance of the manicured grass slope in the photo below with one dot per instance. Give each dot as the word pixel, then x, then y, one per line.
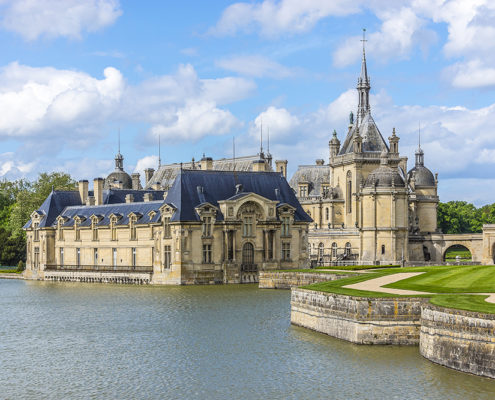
pixel 440 279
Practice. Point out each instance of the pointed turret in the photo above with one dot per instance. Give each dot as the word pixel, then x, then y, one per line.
pixel 363 86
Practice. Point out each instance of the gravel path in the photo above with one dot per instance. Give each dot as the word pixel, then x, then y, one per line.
pixel 375 285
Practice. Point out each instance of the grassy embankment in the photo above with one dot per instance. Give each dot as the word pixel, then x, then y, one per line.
pixel 452 285
pixel 9 270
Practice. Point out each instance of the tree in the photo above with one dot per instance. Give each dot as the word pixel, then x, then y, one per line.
pixel 463 217
pixel 30 197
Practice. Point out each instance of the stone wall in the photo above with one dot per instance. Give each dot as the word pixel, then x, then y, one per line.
pixel 358 319
pixel 98 277
pixel 287 280
pixel 457 339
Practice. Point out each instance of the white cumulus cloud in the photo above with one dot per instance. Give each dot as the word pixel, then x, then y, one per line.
pixel 58 18
pixel 255 66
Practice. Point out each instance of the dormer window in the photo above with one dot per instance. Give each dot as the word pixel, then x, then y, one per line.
pixel 207 226
pixel 285 226
pixel 94 229
pixel 77 230
pixel 303 190
pixel 167 232
pixel 325 190
pixel 36 231
pixel 132 227
pixel 113 229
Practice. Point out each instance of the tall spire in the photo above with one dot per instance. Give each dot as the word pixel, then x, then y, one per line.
pixel 420 155
pixel 119 159
pixel 261 138
pixel 363 86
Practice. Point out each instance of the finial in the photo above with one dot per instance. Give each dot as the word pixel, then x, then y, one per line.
pixel 53 188
pixel 334 133
pixel 364 41
pixel 351 118
pixel 393 132
pixel 419 135
pixel 261 137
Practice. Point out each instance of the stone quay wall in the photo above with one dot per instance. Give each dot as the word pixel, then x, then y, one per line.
pixel 462 340
pixel 359 320
pixel 99 277
pixel 287 280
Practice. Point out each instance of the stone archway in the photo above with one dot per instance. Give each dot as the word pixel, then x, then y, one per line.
pixel 457 252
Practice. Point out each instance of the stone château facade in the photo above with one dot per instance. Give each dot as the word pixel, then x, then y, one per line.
pixel 208 227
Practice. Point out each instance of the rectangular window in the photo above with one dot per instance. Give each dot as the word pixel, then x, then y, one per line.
pixel 286 251
pixel 230 245
pixel 114 257
pixel 207 253
pixel 78 233
pixel 207 226
pixel 303 191
pixel 36 232
pixel 167 256
pixel 95 231
pixel 36 257
pixel 270 245
pixel 60 232
pixel 133 256
pixel 132 226
pixel 114 230
pixel 248 226
pixel 152 256
pixel 78 256
pixel 166 227
pixel 285 226
pixel 61 256
pixel 95 256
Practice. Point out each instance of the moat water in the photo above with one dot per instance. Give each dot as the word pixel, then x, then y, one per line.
pixel 94 341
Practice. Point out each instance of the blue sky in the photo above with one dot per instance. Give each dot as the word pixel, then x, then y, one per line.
pixel 73 72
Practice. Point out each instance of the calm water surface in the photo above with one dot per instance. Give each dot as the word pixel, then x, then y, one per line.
pixel 72 341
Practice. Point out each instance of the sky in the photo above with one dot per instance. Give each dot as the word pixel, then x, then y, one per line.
pixel 73 73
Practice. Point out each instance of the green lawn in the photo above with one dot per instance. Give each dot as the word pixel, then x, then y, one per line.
pixel 358 267
pixel 454 282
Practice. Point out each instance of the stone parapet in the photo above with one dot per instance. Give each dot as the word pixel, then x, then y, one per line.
pixel 359 320
pixel 462 340
pixel 287 280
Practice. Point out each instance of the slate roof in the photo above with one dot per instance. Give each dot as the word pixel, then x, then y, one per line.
pixel 166 173
pixel 221 185
pixel 190 189
pixel 107 210
pixel 315 175
pixel 372 138
pixel 58 200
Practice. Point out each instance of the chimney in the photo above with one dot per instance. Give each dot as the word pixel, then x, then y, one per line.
pixel 148 174
pixel 129 198
pixel 83 190
pixel 98 191
pixel 320 162
pixel 157 186
pixel 259 166
pixel 90 201
pixel 136 183
pixel 148 197
pixel 206 163
pixel 281 167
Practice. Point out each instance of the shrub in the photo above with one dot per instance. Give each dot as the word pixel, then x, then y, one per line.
pixel 20 266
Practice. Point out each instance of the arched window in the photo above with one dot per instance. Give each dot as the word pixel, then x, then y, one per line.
pixel 383 249
pixel 247 254
pixel 334 250
pixel 321 250
pixel 348 197
pixel 347 249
